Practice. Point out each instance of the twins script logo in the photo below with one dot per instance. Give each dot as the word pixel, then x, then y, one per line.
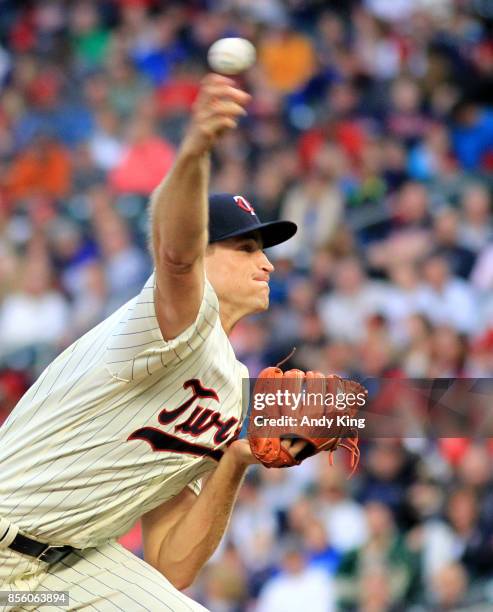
pixel 198 421
pixel 244 204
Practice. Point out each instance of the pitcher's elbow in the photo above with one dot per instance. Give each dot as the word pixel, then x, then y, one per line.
pixel 179 579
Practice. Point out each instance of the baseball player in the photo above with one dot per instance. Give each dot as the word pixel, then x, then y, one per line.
pixel 139 417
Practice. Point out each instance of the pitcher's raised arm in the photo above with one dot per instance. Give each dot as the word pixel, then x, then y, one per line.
pixel 179 210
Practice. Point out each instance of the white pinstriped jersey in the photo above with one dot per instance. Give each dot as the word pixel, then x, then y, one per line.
pixel 118 423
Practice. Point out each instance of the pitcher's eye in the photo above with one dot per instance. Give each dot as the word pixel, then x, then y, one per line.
pixel 249 246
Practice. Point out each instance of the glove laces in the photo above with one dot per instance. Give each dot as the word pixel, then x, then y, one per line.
pixel 351 444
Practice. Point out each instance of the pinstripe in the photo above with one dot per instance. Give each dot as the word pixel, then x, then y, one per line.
pixel 121 348
pixel 72 568
pixel 125 576
pixel 211 305
pixel 150 574
pixel 82 375
pixel 13 568
pixel 55 381
pixel 44 375
pixel 143 331
pixel 161 584
pixel 108 586
pixel 119 360
pixel 66 585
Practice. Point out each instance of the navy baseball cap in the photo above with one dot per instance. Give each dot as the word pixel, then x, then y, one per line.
pixel 232 215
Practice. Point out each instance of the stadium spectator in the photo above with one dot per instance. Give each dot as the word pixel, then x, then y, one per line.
pixel 446 229
pixel 287 58
pixel 42 168
pixel 446 299
pixel 475 228
pixel 344 519
pixel 34 313
pixel 296 584
pixel 449 591
pixel 355 297
pixel 384 549
pixel 146 158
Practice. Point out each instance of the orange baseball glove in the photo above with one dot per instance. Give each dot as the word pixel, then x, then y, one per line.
pixel 311 407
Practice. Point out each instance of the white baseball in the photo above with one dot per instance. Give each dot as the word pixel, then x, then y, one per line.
pixel 231 55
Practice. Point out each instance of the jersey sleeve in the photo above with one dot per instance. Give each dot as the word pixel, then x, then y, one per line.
pixel 195 486
pixel 137 349
pixel 203 471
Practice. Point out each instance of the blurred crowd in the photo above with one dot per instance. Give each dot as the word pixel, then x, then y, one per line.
pixel 371 126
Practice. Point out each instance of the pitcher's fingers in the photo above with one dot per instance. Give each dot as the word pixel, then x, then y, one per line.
pixel 293 445
pixel 220 106
pixel 212 78
pixel 212 127
pixel 225 92
pixel 222 124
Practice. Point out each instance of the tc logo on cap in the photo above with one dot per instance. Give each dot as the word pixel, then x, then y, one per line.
pixel 244 204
